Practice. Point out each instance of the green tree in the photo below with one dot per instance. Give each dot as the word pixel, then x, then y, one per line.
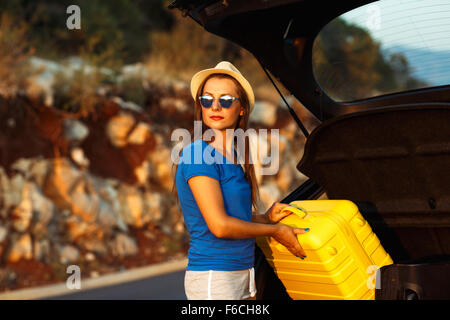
pixel 349 64
pixel 112 21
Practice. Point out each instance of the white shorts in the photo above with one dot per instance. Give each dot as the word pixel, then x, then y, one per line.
pixel 220 285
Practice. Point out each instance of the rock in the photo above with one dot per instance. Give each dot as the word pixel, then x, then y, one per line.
pixel 75 130
pixel 264 112
pixel 11 122
pixel 66 213
pixel 167 228
pixel 142 173
pixel 23 213
pixel 180 227
pixel 136 70
pixel 162 153
pixel 159 138
pixel 163 171
pixel 70 189
pixel 176 220
pixel 94 274
pixel 76 227
pixel 285 177
pixel 179 85
pixel 269 193
pixel 161 166
pixel 140 134
pixel 124 246
pixel 84 200
pixel 42 250
pixel 118 128
pixel 289 177
pixel 87 236
pixel 289 130
pixel 38 171
pixel 42 83
pixel 149 234
pixel 3 233
pixel 112 196
pixel 68 254
pixel 41 205
pixel 12 189
pixel 132 206
pixel 130 105
pixel 3 211
pixel 127 105
pixel 7 278
pixel 2 250
pixel 61 178
pixel 78 156
pixel 95 245
pixel 153 207
pixel 36 91
pixel 43 210
pixel 162 250
pixel 4 186
pixel 23 166
pixel 21 249
pixel 89 256
pixel 106 218
pixel 179 104
pixel 283 145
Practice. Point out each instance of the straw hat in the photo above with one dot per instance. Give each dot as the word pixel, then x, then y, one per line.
pixel 226 68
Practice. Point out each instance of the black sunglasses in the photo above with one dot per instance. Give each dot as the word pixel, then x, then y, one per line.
pixel 224 101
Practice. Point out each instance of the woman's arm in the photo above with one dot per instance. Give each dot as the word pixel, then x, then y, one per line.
pixel 260 218
pixel 208 195
pixel 273 215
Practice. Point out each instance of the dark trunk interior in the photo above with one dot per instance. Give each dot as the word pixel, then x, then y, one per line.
pixel 394 163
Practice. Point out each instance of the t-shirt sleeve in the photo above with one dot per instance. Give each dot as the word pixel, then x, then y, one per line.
pixel 204 169
pixel 192 168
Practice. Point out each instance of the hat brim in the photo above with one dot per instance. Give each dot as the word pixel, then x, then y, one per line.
pixel 200 76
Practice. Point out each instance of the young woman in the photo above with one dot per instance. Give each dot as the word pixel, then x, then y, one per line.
pixel 216 197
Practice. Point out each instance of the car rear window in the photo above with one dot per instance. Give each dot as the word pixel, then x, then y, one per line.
pixel 384 47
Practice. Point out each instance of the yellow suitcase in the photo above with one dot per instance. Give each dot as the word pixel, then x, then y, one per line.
pixel 342 252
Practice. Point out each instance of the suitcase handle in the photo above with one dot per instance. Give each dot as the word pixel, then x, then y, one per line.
pixel 301 213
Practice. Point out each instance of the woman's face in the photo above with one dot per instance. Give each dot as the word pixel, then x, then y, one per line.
pixel 216 88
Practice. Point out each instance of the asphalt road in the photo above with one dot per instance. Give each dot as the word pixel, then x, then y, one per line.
pixel 169 286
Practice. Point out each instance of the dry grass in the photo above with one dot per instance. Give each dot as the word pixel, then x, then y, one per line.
pixel 188 48
pixel 78 92
pixel 14 52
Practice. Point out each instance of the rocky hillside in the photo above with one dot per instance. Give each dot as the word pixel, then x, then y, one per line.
pixel 95 190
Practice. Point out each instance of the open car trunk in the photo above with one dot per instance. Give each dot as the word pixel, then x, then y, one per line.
pixel 394 163
pixel 389 154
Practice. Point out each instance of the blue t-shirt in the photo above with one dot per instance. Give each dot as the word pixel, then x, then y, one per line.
pixel 206 251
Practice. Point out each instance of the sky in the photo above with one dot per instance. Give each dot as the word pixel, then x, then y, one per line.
pixel 413 23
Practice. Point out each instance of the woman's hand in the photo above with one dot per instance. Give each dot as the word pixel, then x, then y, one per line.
pixel 287 236
pixel 273 215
